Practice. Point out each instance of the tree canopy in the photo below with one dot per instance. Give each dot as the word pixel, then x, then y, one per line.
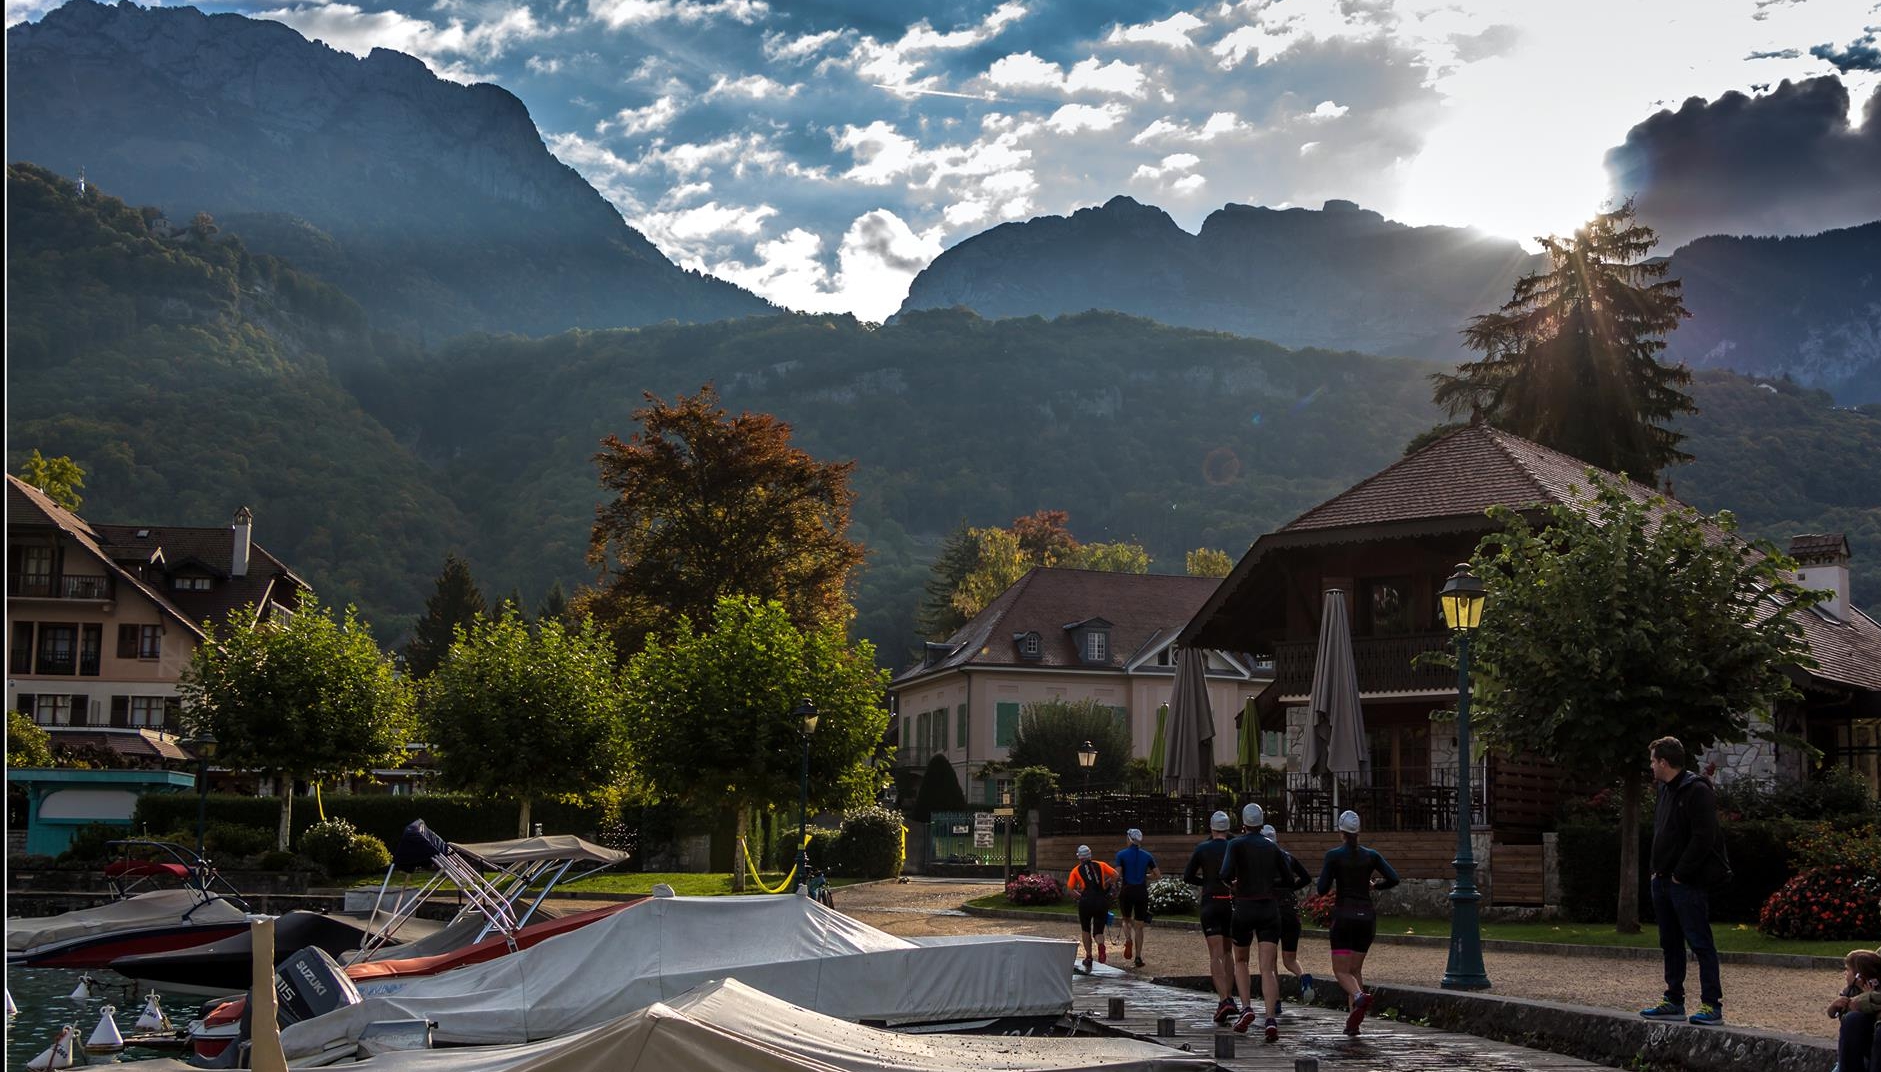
pixel 526 713
pixel 1624 619
pixel 1570 360
pixel 302 696
pixel 977 564
pixel 28 745
pixel 453 604
pixel 59 477
pixel 1051 732
pixel 702 506
pixel 1208 562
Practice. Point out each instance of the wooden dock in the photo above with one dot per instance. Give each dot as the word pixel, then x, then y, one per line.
pixel 1305 1032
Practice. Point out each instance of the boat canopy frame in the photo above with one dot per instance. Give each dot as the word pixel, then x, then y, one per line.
pixel 131 873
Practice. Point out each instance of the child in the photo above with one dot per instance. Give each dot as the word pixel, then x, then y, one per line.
pixel 1858 1047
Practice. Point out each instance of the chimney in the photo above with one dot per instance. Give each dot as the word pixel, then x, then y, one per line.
pixel 241 532
pixel 1822 563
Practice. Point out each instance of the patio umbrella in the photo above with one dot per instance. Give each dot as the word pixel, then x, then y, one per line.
pixel 1336 744
pixel 1189 738
pixel 1156 743
pixel 1248 741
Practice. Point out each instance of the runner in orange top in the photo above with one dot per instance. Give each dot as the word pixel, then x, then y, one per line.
pixel 1095 882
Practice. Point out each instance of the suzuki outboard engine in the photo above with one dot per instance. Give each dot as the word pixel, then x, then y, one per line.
pixel 307 984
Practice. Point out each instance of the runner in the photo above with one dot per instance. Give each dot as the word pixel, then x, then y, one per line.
pixel 1351 868
pixel 1095 881
pixel 1286 894
pixel 1136 869
pixel 1252 865
pixel 1215 903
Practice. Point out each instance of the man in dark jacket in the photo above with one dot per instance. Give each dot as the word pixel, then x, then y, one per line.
pixel 1687 856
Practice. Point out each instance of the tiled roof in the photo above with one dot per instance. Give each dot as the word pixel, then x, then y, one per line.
pixel 135 744
pixel 27 505
pixel 1818 547
pixel 213 548
pixel 1138 606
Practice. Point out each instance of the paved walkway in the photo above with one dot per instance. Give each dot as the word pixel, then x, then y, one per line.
pixel 1381 1046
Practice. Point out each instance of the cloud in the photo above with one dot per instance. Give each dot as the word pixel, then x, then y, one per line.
pixel 782 48
pixel 1172 32
pixel 754 86
pixel 1027 71
pixel 685 228
pixel 353 29
pixel 1216 125
pixel 1073 118
pixel 544 65
pixel 1172 167
pixel 879 255
pixel 1327 110
pixel 1860 55
pixel 632 121
pixel 1263 44
pixel 618 13
pixel 1786 163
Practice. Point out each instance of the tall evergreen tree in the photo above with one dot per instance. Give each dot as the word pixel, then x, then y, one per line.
pixel 554 606
pixel 455 602
pixel 1571 360
pixel 937 617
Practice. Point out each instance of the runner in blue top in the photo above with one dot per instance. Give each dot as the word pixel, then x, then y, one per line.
pixel 1136 868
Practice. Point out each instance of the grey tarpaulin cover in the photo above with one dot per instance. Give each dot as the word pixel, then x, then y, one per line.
pixel 790 947
pixel 540 847
pixel 154 909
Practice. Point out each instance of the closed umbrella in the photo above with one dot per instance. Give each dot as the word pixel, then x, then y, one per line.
pixel 1189 738
pixel 1156 743
pixel 1248 743
pixel 1336 744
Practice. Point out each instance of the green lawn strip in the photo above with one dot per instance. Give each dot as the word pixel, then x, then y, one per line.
pixel 1730 937
pixel 685 884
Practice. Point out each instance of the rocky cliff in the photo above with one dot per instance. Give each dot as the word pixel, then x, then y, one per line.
pixel 436 204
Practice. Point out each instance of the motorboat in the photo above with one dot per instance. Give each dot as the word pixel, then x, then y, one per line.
pixel 143 918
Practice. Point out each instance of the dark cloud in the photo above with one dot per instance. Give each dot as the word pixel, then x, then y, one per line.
pixel 1785 163
pixel 1860 55
pixel 1779 54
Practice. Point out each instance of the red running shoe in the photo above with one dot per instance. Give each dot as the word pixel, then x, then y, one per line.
pixel 1359 1006
pixel 1246 1021
pixel 1102 956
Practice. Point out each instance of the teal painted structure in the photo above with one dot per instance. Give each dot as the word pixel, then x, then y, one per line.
pixel 61 801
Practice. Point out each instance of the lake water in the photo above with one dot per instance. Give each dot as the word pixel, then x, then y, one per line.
pixel 44 999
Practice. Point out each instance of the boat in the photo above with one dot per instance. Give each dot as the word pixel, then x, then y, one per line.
pixel 787 946
pixel 205 908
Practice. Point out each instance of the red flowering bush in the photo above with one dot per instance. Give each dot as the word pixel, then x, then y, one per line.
pixel 1839 902
pixel 1318 909
pixel 1034 889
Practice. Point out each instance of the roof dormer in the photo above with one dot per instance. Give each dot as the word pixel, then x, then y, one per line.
pixel 1091 639
pixel 1029 645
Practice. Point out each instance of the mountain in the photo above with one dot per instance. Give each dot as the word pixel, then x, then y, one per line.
pixel 435 204
pixel 1345 278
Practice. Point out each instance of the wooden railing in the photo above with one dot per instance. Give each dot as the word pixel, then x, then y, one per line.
pixel 1383 664
pixel 1419 798
pixel 69 586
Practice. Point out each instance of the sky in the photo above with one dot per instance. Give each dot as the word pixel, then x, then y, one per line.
pixel 822 152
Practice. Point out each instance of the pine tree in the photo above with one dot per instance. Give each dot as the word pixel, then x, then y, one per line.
pixel 937 617
pixel 455 602
pixel 554 606
pixel 1570 361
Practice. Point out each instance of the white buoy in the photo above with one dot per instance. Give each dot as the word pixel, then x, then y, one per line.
pixel 153 1017
pixel 82 992
pixel 105 1038
pixel 57 1055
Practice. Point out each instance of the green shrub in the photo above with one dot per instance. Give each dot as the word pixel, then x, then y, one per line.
pixel 88 842
pixel 1825 903
pixel 276 860
pixel 456 817
pixel 366 855
pixel 235 839
pixel 1034 888
pixel 940 791
pixel 1824 845
pixel 1033 786
pixel 870 844
pixel 1761 861
pixel 327 843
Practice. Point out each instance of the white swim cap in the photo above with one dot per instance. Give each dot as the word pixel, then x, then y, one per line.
pixel 1219 821
pixel 1084 852
pixel 1270 834
pixel 1348 822
pixel 1135 835
pixel 1252 817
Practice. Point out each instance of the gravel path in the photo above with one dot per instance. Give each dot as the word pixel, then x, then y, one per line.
pixel 1780 999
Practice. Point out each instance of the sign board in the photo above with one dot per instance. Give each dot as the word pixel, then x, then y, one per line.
pixel 983 829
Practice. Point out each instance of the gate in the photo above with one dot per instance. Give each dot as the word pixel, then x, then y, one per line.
pixel 950 839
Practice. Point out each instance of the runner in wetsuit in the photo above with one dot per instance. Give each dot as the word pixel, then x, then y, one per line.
pixel 1216 908
pixel 1135 869
pixel 1094 881
pixel 1351 868
pixel 1285 892
pixel 1253 865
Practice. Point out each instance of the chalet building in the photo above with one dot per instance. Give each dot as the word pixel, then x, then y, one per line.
pixel 1389 543
pixel 1060 634
pixel 102 619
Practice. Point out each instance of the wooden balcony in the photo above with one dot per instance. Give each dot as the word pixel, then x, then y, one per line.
pixel 68 586
pixel 1383 663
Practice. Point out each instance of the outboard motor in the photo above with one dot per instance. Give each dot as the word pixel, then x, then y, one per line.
pixel 307 984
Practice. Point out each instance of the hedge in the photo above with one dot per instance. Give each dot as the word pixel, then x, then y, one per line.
pixel 456 817
pixel 1590 869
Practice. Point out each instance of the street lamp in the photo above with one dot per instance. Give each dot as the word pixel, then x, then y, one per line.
pixel 204 745
pixel 1462 598
pixel 806 720
pixel 1087 758
pixel 1005 805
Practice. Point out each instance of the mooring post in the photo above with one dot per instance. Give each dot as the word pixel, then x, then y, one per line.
pixel 1116 1008
pixel 1224 1044
pixel 1165 1027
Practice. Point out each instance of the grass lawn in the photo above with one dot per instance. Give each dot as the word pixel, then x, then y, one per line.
pixel 684 883
pixel 1731 937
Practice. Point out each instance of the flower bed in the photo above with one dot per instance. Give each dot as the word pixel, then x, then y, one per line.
pixel 1825 902
pixel 1037 888
pixel 1170 896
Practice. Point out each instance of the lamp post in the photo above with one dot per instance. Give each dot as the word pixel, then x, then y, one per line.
pixel 204 745
pixel 1087 758
pixel 1462 598
pixel 1005 805
pixel 806 717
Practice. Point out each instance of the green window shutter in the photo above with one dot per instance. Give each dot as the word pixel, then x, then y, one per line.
pixel 960 727
pixel 920 735
pixel 1005 724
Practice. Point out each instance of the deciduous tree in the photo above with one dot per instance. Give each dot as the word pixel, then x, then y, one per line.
pixel 1623 619
pixel 1208 562
pixel 1571 360
pixel 526 713
pixel 453 604
pixel 59 477
pixel 703 505
pixel 1051 733
pixel 28 745
pixel 299 696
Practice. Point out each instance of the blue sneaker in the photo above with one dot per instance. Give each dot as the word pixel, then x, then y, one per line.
pixel 1665 1010
pixel 1707 1014
pixel 1306 987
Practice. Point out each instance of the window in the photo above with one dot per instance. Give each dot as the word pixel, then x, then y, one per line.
pixel 35 571
pixel 52 710
pixel 1030 647
pixel 191 584
pixel 1096 646
pixel 1005 724
pixel 1385 606
pixel 150 641
pixel 960 727
pixel 20 659
pixel 940 730
pixel 57 649
pixel 90 640
pixel 919 744
pixel 147 711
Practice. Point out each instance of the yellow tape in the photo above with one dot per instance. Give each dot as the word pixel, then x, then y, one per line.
pixel 753 868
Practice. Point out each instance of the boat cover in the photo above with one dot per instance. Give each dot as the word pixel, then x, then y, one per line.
pixel 541 847
pixel 158 908
pixel 788 946
pixel 727 1026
